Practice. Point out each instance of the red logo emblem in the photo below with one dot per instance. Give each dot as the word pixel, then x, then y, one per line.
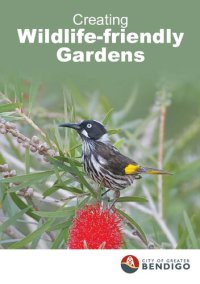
pixel 130 263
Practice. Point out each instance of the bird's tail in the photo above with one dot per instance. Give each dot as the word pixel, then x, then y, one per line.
pixel 153 171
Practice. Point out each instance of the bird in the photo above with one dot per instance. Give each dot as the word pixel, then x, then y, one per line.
pixel 103 162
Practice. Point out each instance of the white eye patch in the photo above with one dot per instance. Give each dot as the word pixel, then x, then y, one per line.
pixel 89 125
pixel 84 132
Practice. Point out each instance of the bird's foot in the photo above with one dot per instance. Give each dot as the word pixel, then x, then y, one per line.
pixel 105 192
pixel 104 197
pixel 116 197
pixel 138 176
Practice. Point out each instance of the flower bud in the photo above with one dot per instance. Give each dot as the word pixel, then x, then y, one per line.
pixel 35 140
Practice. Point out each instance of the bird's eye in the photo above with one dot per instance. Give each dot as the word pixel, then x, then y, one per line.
pixel 89 125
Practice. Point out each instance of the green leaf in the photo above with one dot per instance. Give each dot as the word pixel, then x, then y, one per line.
pixel 36 240
pixel 82 203
pixel 74 171
pixel 33 177
pixel 144 124
pixel 54 188
pixel 63 212
pixel 185 173
pixel 13 219
pixel 53 137
pixel 104 103
pixel 20 186
pixel 59 239
pixel 182 237
pixel 61 162
pixel 2 160
pixel 193 238
pixel 132 199
pixel 107 117
pixel 33 94
pixel 187 135
pixel 27 160
pixel 72 189
pixel 119 143
pixel 113 131
pixel 135 224
pixel 32 236
pixel 9 107
pixel 120 115
pixel 21 205
pixel 62 225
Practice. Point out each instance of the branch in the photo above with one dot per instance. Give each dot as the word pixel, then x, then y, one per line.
pixel 25 117
pixel 160 158
pixel 33 144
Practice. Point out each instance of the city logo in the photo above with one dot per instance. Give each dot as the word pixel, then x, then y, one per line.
pixel 130 264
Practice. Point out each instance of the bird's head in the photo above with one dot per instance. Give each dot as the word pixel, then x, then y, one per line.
pixel 91 129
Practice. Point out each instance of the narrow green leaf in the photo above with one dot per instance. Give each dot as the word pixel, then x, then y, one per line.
pixel 20 186
pixel 132 199
pixel 182 237
pixel 134 223
pixel 22 243
pixel 13 219
pixel 59 239
pixel 186 172
pixel 51 190
pixel 67 160
pixel 54 188
pixel 82 203
pixel 36 240
pixel 63 212
pixel 119 143
pixel 52 136
pixel 193 238
pixel 58 139
pixel 57 175
pixel 144 124
pixel 33 94
pixel 8 107
pixel 60 164
pixel 74 171
pixel 73 189
pixel 2 160
pixel 21 205
pixel 107 117
pixel 113 131
pixel 187 135
pixel 27 160
pixel 59 226
pixel 29 177
pixel 118 116
pixel 104 103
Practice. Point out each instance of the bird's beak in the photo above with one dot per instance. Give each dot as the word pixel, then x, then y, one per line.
pixel 75 126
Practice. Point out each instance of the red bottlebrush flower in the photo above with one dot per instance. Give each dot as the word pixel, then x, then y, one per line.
pixel 95 227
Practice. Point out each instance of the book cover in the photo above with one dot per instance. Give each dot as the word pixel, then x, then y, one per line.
pixel 99 135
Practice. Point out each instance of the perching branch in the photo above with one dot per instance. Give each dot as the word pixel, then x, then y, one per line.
pixel 160 158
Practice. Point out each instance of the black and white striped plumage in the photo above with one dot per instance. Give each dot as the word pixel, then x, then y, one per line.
pixel 102 161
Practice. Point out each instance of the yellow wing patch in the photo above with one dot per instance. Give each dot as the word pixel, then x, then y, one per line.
pixel 131 169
